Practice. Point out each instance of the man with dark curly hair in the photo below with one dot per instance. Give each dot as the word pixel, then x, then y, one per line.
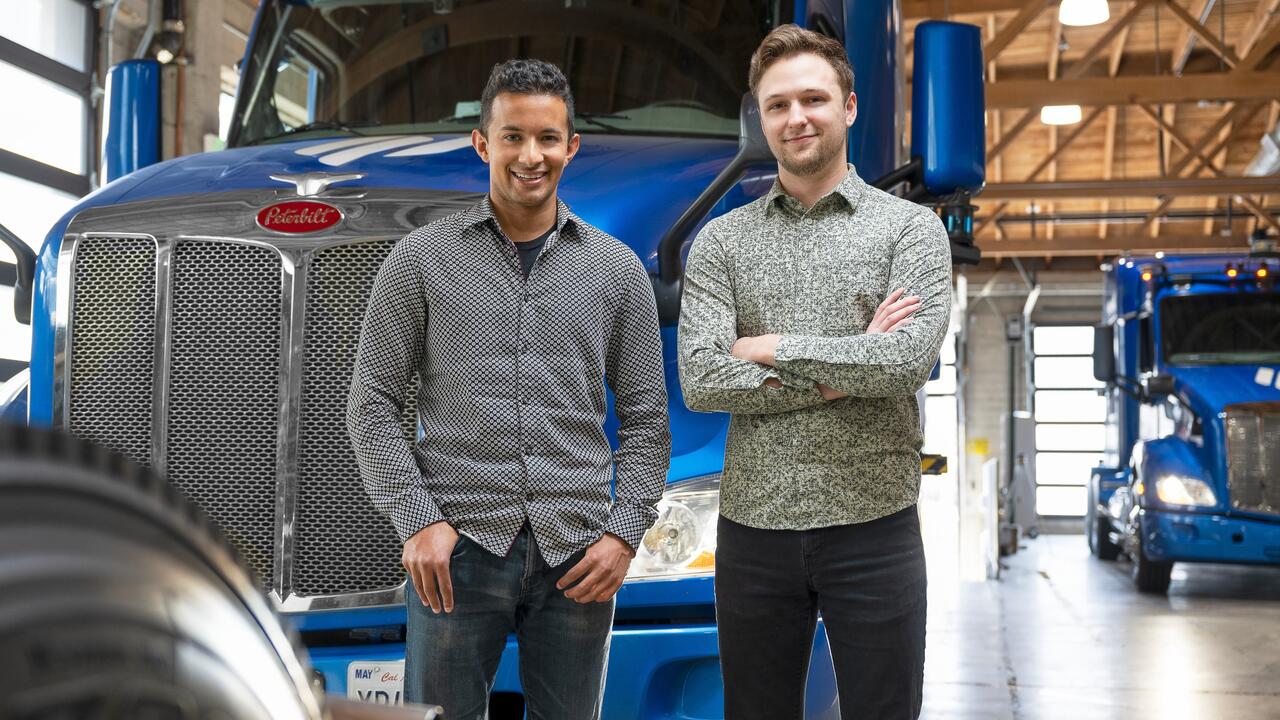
pixel 515 314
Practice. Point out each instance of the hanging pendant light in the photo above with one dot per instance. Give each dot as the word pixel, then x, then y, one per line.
pixel 1083 12
pixel 1060 114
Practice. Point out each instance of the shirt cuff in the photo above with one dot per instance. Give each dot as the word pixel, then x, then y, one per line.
pixel 789 348
pixel 415 511
pixel 628 522
pixel 790 379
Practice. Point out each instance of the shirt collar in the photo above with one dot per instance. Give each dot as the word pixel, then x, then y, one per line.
pixel 482 212
pixel 850 189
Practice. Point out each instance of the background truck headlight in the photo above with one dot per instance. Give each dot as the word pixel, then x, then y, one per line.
pixel 1178 490
pixel 683 540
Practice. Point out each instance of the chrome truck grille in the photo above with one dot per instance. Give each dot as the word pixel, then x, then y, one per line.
pixel 1253 456
pixel 343 544
pixel 112 376
pixel 224 362
pixel 224 370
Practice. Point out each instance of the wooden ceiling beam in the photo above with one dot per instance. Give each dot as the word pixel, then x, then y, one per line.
pixel 1186 39
pixel 1077 70
pixel 1115 245
pixel 1012 133
pixel 1027 15
pixel 1076 131
pixel 1262 14
pixel 1113 118
pixel 996 119
pixel 1129 90
pixel 1203 33
pixel 1055 58
pixel 1079 67
pixel 1128 187
pixel 942 9
pixel 1237 117
pixel 1213 163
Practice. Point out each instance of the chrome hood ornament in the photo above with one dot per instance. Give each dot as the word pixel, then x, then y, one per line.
pixel 311 184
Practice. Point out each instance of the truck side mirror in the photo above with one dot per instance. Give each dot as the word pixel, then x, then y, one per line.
pixel 752 149
pixel 948 128
pixel 24 285
pixel 1104 355
pixel 131 132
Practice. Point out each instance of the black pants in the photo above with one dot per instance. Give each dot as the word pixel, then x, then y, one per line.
pixel 867 580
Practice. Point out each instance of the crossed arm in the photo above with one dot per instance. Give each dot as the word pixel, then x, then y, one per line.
pixel 720 371
pixel 893 313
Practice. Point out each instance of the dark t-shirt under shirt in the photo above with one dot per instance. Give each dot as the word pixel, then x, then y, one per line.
pixel 529 251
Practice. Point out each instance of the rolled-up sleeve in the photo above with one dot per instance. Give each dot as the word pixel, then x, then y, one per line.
pixel 633 371
pixel 711 378
pixel 390 350
pixel 887 364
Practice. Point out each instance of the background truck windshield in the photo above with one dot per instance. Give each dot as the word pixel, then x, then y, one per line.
pixel 666 67
pixel 1220 328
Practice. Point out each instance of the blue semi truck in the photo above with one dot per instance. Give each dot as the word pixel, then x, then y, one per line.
pixel 200 315
pixel 1189 349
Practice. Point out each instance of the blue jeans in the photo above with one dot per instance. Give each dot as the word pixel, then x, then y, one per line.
pixel 867 580
pixel 451 658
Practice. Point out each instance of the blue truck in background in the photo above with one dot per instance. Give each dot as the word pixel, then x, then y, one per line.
pixel 200 315
pixel 1189 349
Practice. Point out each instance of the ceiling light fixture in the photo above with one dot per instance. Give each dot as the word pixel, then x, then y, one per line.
pixel 1083 12
pixel 1060 114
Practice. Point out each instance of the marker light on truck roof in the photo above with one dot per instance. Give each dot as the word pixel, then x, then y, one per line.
pixel 1232 271
pixel 1262 271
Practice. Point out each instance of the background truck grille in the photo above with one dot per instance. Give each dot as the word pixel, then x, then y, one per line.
pixel 221 440
pixel 343 543
pixel 1253 456
pixel 112 371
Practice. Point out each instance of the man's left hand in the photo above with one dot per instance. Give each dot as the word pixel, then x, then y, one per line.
pixel 759 349
pixel 601 571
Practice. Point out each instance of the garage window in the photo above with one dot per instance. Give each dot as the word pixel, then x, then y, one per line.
pixel 46 155
pixel 1069 415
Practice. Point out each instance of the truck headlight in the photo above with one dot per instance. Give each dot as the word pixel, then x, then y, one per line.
pixel 683 540
pixel 1178 490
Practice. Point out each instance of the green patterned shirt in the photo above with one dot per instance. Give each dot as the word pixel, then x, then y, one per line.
pixel 794 460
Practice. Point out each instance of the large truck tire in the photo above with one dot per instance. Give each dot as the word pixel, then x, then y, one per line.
pixel 119 600
pixel 1150 576
pixel 1097 529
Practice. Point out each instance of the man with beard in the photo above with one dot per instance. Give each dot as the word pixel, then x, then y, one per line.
pixel 813 315
pixel 515 314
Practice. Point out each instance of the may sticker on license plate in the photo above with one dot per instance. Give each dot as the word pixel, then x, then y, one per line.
pixel 381 683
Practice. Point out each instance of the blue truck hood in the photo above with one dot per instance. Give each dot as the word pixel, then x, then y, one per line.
pixel 631 187
pixel 1211 388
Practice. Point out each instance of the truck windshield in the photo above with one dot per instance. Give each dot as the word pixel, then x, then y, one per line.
pixel 354 67
pixel 1221 328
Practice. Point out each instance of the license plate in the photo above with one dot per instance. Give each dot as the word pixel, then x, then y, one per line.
pixel 377 682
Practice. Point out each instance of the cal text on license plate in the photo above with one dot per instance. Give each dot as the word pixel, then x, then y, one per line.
pixel 378 682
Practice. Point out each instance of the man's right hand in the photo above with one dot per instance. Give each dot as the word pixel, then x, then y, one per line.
pixel 426 559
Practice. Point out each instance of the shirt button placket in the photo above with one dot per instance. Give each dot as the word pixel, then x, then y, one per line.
pixel 526 446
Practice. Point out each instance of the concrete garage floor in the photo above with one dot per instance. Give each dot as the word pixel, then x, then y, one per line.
pixel 1064 636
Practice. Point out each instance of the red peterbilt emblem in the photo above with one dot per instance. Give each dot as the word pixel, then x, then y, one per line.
pixel 299 216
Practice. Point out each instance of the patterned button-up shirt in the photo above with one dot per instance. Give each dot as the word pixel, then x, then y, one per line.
pixel 794 460
pixel 512 386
